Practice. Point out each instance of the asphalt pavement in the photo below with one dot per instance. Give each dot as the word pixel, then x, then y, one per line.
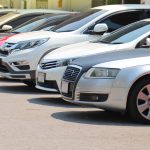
pixel 35 120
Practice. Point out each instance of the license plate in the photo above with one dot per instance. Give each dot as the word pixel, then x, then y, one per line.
pixel 65 87
pixel 41 77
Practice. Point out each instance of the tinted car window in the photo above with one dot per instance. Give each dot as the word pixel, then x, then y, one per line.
pixel 119 20
pixel 38 24
pixel 21 19
pixel 148 13
pixel 3 13
pixel 53 22
pixel 30 26
pixel 128 33
pixel 78 21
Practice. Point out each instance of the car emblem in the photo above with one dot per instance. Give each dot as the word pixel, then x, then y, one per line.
pixel 72 72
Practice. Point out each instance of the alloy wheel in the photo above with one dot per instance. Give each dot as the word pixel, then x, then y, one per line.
pixel 143 102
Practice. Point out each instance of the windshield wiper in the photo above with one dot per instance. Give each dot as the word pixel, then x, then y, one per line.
pixel 15 32
pixel 117 43
pixel 103 41
pixel 64 31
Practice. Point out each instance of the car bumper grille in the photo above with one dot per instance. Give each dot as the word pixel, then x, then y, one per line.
pixel 49 65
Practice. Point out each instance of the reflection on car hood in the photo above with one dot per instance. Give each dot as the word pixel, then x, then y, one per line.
pixel 32 36
pixel 29 36
pixel 90 61
pixel 79 50
pixel 5 34
pixel 125 63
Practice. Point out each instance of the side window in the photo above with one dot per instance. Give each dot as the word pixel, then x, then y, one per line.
pixel 53 22
pixel 119 20
pixel 48 24
pixel 20 20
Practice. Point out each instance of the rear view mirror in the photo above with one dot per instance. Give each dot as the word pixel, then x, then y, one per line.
pixel 148 42
pixel 100 28
pixel 7 28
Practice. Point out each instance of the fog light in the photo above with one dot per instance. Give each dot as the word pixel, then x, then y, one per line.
pixel 20 63
pixel 93 97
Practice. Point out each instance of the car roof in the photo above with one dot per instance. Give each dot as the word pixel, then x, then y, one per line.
pixel 26 11
pixel 7 10
pixel 51 15
pixel 123 7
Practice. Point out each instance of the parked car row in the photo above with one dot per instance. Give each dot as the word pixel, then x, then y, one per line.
pixel 44 22
pixel 99 58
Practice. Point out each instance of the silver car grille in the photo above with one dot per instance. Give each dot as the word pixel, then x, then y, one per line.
pixel 71 73
pixel 49 65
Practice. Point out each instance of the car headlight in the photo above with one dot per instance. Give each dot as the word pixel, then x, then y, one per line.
pixel 29 44
pixel 53 64
pixel 64 62
pixel 102 73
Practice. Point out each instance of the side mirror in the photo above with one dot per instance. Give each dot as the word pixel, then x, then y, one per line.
pixel 148 42
pixel 7 28
pixel 100 28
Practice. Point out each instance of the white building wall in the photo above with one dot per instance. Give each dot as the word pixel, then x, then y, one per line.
pixel 147 1
pixel 72 5
pixel 5 3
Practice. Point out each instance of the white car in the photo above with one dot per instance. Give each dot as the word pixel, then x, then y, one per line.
pixel 21 54
pixel 52 66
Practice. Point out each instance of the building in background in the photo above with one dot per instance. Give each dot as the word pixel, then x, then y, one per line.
pixel 146 1
pixel 71 5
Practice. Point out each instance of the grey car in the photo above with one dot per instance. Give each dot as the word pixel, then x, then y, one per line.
pixel 118 81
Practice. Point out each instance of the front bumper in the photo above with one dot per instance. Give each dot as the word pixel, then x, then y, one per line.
pixel 21 72
pixel 100 93
pixel 52 78
pixel 7 71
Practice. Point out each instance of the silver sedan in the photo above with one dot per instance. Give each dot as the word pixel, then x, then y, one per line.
pixel 118 81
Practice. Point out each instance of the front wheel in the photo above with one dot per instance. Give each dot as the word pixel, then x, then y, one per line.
pixel 29 83
pixel 139 101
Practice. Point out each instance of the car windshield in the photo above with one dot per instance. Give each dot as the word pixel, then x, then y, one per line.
pixel 30 25
pixel 78 21
pixel 127 34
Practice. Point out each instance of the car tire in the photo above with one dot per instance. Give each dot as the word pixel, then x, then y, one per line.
pixel 138 106
pixel 29 83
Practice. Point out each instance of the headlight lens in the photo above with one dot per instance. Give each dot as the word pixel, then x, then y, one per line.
pixel 53 63
pixel 64 62
pixel 29 44
pixel 102 73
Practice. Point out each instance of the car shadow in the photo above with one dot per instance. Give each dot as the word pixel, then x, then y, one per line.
pixel 4 80
pixel 21 89
pixel 17 87
pixel 52 102
pixel 96 117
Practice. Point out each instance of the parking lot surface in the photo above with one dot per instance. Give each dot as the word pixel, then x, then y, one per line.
pixel 35 120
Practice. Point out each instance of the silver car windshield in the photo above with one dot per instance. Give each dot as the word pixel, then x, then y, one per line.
pixel 78 21
pixel 127 34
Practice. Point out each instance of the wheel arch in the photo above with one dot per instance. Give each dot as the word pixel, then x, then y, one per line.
pixel 142 77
